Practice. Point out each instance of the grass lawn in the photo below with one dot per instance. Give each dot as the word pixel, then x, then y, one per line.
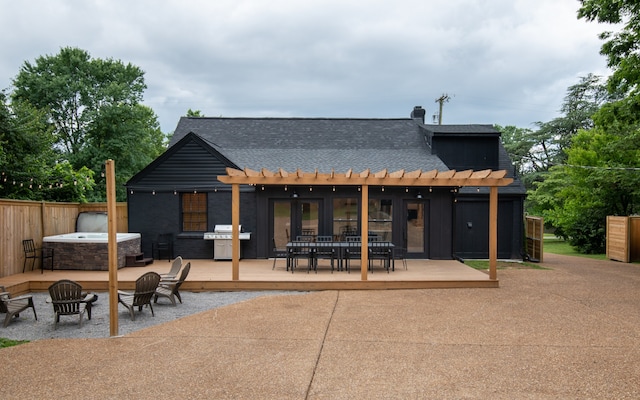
pixel 8 342
pixel 552 244
pixel 484 264
pixel 555 245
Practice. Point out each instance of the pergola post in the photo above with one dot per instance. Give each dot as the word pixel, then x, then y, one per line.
pixel 235 231
pixel 112 247
pixel 364 233
pixel 493 232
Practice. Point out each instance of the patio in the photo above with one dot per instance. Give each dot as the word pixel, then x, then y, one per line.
pixel 210 275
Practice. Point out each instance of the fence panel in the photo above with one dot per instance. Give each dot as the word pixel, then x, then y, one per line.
pixel 23 219
pixel 618 238
pixel 534 232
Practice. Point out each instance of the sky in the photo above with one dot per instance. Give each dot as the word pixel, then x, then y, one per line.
pixel 505 62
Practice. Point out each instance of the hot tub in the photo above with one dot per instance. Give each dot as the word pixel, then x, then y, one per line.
pixel 89 250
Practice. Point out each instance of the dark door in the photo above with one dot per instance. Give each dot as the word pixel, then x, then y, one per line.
pixel 415 229
pixel 291 218
pixel 305 217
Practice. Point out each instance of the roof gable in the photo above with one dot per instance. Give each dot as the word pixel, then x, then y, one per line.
pixel 190 163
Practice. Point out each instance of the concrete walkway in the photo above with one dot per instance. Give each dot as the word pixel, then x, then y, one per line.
pixel 569 332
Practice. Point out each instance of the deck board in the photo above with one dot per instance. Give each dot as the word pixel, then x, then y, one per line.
pixel 211 275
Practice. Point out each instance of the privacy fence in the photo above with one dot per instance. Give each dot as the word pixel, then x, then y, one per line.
pixel 534 232
pixel 34 220
pixel 623 238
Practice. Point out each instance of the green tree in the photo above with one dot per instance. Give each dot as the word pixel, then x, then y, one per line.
pixel 601 177
pixel 93 106
pixel 580 104
pixel 518 144
pixel 31 168
pixel 132 152
pixel 194 113
pixel 622 50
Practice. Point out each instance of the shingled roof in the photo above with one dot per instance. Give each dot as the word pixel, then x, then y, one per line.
pixel 315 143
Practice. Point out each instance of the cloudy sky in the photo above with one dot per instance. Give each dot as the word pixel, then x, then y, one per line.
pixel 506 62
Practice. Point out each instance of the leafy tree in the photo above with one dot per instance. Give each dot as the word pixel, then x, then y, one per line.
pixel 194 113
pixel 132 152
pixel 93 106
pixel 29 163
pixel 518 144
pixel 73 88
pixel 621 48
pixel 601 178
pixel 580 104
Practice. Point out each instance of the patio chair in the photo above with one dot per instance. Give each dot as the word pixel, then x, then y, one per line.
pixel 170 289
pixel 380 251
pixel 324 250
pixel 173 271
pixel 13 306
pixel 399 253
pixel 31 252
pixel 67 298
pixel 278 253
pixel 163 246
pixel 300 250
pixel 146 286
pixel 353 251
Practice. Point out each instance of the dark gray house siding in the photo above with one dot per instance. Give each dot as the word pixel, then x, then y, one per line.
pixel 456 222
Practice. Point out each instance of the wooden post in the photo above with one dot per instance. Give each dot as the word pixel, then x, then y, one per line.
pixel 235 231
pixel 364 233
pixel 112 248
pixel 493 232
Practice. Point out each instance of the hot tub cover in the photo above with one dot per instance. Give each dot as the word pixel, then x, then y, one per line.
pixel 92 221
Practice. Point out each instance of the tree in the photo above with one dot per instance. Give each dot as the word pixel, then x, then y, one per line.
pixel 30 166
pixel 194 113
pixel 93 106
pixel 622 50
pixel 132 151
pixel 580 104
pixel 601 178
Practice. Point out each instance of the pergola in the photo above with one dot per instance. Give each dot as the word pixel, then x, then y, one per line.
pixel 485 178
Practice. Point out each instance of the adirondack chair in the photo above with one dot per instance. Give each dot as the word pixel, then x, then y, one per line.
pixel 12 307
pixel 67 298
pixel 169 289
pixel 146 286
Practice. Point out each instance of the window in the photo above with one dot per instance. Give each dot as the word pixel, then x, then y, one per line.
pixel 194 212
pixel 381 218
pixel 345 217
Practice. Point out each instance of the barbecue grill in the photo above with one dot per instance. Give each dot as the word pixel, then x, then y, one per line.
pixel 222 241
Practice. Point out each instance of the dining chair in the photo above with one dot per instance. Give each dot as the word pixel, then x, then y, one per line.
pixel 301 250
pixel 278 252
pixel 31 252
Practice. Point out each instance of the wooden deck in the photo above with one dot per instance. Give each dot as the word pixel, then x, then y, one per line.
pixel 210 275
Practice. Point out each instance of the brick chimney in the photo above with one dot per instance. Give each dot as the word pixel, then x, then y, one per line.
pixel 418 113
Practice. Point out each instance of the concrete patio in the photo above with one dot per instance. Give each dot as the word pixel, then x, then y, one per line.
pixel 571 331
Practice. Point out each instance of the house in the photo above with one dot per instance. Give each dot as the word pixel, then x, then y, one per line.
pixel 179 193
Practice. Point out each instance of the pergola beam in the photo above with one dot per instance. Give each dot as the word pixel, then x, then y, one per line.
pixel 449 178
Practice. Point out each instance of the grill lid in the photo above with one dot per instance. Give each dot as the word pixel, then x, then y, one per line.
pixel 225 228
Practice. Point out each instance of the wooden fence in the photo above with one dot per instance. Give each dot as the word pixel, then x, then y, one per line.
pixel 623 238
pixel 534 233
pixel 33 220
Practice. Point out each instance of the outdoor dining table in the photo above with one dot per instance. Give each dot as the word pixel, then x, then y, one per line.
pixel 340 248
